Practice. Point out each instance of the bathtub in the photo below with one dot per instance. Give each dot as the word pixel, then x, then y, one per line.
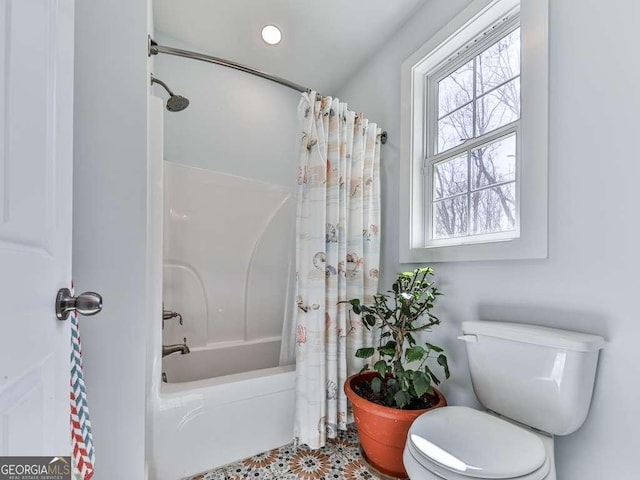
pixel 220 405
pixel 221 360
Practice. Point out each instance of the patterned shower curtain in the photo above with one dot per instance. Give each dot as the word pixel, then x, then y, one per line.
pixel 337 257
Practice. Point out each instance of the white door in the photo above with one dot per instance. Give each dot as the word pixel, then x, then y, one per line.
pixel 36 113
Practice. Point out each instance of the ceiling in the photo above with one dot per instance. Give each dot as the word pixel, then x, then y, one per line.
pixel 323 42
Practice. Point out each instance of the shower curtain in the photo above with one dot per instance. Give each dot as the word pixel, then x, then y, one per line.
pixel 337 258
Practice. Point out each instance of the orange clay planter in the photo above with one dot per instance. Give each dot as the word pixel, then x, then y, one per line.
pixel 383 430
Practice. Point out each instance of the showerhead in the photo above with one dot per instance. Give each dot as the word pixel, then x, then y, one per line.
pixel 176 103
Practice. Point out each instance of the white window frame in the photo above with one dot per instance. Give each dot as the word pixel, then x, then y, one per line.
pixel 530 238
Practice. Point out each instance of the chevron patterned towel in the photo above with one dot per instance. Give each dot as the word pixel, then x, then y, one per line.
pixel 83 456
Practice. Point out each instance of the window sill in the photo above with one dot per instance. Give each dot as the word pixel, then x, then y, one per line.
pixel 507 249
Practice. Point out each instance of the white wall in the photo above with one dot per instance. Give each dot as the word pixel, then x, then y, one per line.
pixel 588 280
pixel 110 224
pixel 236 123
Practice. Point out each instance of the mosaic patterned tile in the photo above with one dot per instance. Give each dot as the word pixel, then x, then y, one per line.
pixel 340 459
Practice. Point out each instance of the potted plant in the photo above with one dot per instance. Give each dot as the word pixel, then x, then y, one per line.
pixel 397 386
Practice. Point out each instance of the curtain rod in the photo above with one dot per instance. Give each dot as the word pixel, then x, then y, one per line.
pixel 155 49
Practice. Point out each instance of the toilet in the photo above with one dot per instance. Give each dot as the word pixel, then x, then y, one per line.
pixel 535 382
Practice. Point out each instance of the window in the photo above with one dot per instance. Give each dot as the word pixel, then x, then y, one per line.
pixel 474 137
pixel 471 165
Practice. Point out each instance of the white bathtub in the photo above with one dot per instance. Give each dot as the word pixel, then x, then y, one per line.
pixel 213 416
pixel 222 360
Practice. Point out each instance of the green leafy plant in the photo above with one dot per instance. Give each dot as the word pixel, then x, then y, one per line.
pixel 403 366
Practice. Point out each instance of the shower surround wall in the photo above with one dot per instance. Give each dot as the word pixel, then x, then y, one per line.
pixel 238 137
pixel 228 244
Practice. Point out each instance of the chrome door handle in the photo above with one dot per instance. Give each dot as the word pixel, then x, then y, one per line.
pixel 87 303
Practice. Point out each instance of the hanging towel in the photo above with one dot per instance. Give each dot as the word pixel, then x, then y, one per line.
pixel 83 455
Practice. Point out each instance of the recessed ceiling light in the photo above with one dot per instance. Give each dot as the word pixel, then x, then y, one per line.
pixel 271 34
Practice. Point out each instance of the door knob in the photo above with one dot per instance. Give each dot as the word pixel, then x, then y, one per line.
pixel 87 303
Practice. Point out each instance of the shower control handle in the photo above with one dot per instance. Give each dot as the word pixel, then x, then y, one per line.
pixel 168 315
pixel 87 303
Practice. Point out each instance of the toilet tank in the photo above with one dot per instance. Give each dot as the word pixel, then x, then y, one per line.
pixel 541 377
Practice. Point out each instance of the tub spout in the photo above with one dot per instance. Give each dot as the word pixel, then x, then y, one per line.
pixel 178 347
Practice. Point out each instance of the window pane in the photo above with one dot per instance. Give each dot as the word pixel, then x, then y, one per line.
pixel 494 162
pixel 493 209
pixel 450 177
pixel 455 128
pixel 450 217
pixel 499 107
pixel 498 63
pixel 455 90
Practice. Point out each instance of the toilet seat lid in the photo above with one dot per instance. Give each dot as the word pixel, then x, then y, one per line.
pixel 476 444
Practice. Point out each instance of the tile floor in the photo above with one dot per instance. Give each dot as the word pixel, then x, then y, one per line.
pixel 339 459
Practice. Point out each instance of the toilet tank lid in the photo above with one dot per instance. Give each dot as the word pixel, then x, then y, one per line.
pixel 534 334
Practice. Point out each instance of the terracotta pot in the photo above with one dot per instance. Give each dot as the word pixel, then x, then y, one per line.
pixel 383 430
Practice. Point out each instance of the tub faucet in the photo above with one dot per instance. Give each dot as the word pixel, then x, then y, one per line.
pixel 177 347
